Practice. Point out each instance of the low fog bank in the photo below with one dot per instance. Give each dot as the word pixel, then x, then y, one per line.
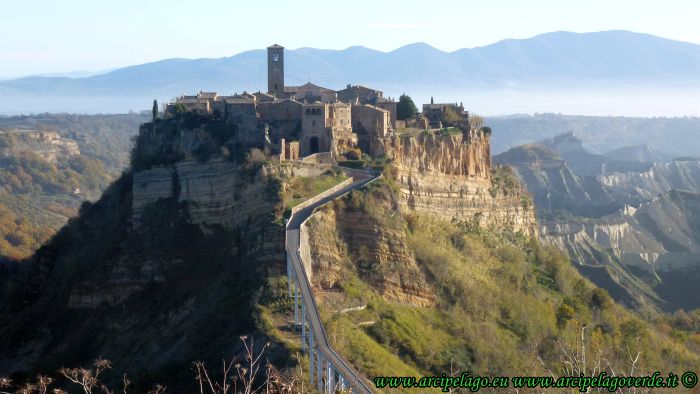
pixel 596 102
pixel 669 102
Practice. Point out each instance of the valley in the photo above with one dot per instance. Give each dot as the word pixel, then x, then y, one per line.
pixel 628 217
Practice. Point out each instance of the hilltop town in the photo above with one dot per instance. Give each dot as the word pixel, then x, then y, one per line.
pixel 298 121
pixel 439 158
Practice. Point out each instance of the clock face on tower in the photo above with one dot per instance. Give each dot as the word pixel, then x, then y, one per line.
pixel 275 57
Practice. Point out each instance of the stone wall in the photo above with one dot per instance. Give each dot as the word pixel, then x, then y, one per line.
pixel 284 118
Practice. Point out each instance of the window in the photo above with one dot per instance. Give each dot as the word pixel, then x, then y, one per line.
pixel 275 56
pixel 313 123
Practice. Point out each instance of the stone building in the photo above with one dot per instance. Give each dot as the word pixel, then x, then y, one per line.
pixel 388 105
pixel 231 107
pixel 325 128
pixel 264 97
pixel 201 103
pixel 433 112
pixel 310 93
pixel 370 123
pixel 359 93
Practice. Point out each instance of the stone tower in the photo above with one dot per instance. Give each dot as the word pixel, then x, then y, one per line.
pixel 275 70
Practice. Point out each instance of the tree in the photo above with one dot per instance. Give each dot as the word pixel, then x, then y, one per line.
pixel 155 110
pixel 405 109
pixel 180 109
pixel 564 313
pixel 450 117
pixel 600 299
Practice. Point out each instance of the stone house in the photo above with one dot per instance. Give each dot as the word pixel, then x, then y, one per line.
pixel 433 112
pixel 359 93
pixel 325 127
pixel 310 93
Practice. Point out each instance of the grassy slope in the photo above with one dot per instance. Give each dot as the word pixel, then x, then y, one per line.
pixel 301 189
pixel 502 301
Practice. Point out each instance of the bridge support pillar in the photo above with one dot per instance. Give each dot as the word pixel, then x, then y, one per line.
pixel 289 275
pixel 311 356
pixel 296 303
pixel 319 371
pixel 329 378
pixel 303 328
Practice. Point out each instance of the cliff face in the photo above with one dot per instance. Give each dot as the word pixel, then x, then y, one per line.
pixel 450 175
pixel 365 238
pixel 47 144
pixel 214 194
pixel 217 192
pixel 449 154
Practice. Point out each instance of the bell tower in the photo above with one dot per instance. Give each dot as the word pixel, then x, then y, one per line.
pixel 275 70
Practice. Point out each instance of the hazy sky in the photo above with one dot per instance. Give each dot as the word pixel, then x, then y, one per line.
pixel 57 36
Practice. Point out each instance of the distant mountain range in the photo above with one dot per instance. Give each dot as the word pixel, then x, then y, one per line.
pixel 543 60
pixel 550 62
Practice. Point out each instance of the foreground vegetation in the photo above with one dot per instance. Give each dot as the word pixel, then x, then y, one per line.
pixel 505 305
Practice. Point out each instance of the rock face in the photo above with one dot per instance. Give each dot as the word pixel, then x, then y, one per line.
pixel 629 231
pixel 47 144
pixel 343 237
pixel 216 193
pixel 450 154
pixel 640 248
pixel 450 175
pixel 554 185
pixel 657 179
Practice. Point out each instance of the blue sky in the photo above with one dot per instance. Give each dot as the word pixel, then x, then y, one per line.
pixel 44 36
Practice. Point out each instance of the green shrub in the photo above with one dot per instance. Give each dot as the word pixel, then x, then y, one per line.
pixel 356 164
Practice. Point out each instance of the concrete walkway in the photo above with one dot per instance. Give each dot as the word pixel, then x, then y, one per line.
pixel 331 371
